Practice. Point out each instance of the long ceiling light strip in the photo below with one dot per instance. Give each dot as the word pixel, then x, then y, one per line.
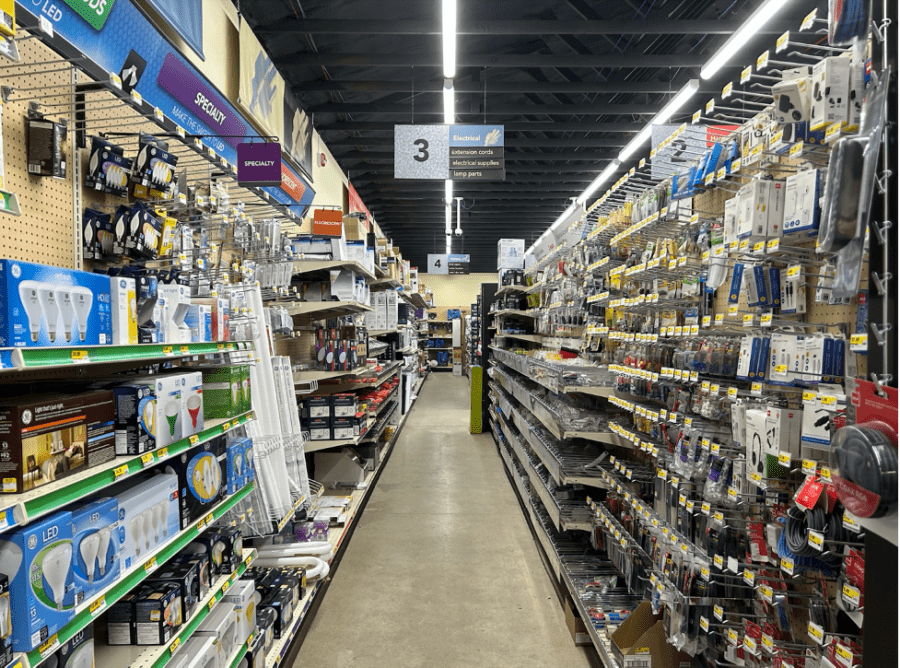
pixel 448 25
pixel 749 29
pixel 722 57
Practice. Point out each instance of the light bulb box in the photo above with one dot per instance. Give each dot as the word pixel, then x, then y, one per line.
pixel 237 467
pixel 48 437
pixel 148 515
pixel 222 392
pixel 6 651
pixel 221 625
pixel 37 559
pixel 101 519
pixel 246 390
pixel 135 415
pixel 200 563
pixel 187 576
pixel 169 424
pixel 197 652
pixel 44 306
pixel 157 613
pixel 193 403
pixel 241 596
pixel 202 479
pixel 70 652
pixel 123 300
pixel 120 619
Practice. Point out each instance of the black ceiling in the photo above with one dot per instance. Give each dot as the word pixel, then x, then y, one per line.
pixel 571 80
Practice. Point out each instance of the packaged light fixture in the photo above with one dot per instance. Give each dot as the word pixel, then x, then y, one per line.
pixel 154 169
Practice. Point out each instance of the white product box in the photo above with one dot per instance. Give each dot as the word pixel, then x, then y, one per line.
pixel 857 91
pixel 756 437
pixel 510 254
pixel 414 280
pixel 356 250
pixel 148 516
pixel 391 309
pixel 343 284
pixel 193 403
pixel 241 597
pixel 168 411
pixel 783 431
pixel 761 209
pixel 199 319
pixel 197 652
pixel 174 301
pixel 372 316
pixel 792 100
pixel 123 303
pixel 730 230
pixel 830 92
pixel 221 626
pixel 381 310
pixel 801 201
pixel 339 249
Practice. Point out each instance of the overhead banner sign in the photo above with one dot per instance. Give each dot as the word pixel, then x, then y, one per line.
pixel 357 205
pixel 328 222
pixel 259 164
pixel 456 152
pixel 458 264
pixel 261 88
pixel 298 134
pixel 127 44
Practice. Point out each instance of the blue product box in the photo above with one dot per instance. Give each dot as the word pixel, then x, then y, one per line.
pixel 95 549
pixel 775 285
pixel 736 278
pixel 754 357
pixel 199 319
pixel 37 559
pixel 235 477
pixel 840 350
pixel 762 368
pixel 51 306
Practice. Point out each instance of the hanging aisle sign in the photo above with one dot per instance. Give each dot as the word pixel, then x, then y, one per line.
pixel 458 264
pixel 259 164
pixel 457 152
pixel 328 222
pixel 127 42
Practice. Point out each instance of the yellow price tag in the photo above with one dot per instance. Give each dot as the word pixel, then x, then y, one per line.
pixel 825 473
pixel 79 355
pixel 174 646
pixel 733 636
pixel 816 539
pixel 794 271
pixel 47 648
pixel 720 318
pixel 850 594
pixel 162 454
pixel 704 624
pixel 832 132
pixel 763 60
pixel 772 244
pixel 787 565
pixel 137 98
pixel 194 439
pixel 733 310
pixel 119 471
pixel 167 350
pixel 756 388
pixel 185 350
pixel 719 563
pixel 150 565
pixel 147 459
pixel 815 632
pixel 768 644
pixel 97 605
pixel 766 593
pixel 726 91
pixel 784 459
pixel 212 603
pixel 843 653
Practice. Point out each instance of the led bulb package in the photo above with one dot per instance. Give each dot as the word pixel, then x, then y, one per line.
pixel 221 625
pixel 193 403
pixel 108 169
pixel 135 418
pixel 96 558
pixel 42 587
pixel 32 312
pixel 46 146
pixel 154 169
pixel 199 320
pixel 157 613
pixel 175 300
pixel 186 575
pixel 135 530
pixel 222 388
pixel 242 597
pixel 51 436
pixel 197 652
pixel 77 651
pixel 123 299
pixel 201 473
pixel 200 564
pixel 236 474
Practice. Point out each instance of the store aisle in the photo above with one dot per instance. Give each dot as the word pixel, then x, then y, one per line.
pixel 442 569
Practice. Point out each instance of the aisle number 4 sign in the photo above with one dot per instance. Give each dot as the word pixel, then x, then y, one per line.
pixel 457 152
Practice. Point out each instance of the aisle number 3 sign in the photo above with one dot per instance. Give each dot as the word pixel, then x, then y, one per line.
pixel 457 152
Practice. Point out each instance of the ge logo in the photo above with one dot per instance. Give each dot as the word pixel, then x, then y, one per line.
pixel 423 150
pixel 26 416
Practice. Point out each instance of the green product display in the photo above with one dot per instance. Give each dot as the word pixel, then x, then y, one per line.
pixel 476 374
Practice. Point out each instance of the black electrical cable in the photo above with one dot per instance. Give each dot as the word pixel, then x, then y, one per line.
pixel 795 533
pixel 866 456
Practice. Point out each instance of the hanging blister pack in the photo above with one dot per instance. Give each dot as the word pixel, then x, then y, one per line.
pixel 154 169
pixel 108 169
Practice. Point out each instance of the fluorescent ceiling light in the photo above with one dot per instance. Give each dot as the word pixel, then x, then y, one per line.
pixel 748 30
pixel 603 177
pixel 448 191
pixel 677 102
pixel 448 22
pixel 449 104
pixel 636 143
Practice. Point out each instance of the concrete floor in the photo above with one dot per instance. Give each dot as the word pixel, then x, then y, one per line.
pixel 442 569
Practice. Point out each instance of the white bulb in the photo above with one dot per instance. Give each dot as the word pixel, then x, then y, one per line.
pixel 56 566
pixel 89 548
pixel 147 524
pixel 154 522
pixel 136 526
pixel 67 310
pixel 458 232
pixel 238 464
pixel 82 300
pixel 28 293
pixel 161 509
pixel 5 627
pixel 103 549
pixel 83 656
pixel 47 297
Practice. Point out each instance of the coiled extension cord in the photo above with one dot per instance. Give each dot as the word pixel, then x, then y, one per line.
pixel 866 456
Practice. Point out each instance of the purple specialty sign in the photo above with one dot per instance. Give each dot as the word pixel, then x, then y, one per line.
pixel 184 86
pixel 259 164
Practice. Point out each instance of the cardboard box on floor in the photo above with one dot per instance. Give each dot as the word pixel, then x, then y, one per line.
pixel 641 637
pixel 576 625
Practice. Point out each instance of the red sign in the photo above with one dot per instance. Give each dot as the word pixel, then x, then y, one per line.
pixel 356 204
pixel 328 222
pixel 291 184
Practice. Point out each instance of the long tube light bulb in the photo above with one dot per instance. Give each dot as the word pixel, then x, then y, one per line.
pixel 749 29
pixel 636 143
pixel 601 179
pixel 448 24
pixel 677 102
pixel 449 104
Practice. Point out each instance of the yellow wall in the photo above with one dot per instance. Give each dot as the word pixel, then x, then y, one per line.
pixel 329 181
pixel 455 291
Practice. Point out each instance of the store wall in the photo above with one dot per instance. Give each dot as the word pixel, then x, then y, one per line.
pixel 329 181
pixel 455 291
